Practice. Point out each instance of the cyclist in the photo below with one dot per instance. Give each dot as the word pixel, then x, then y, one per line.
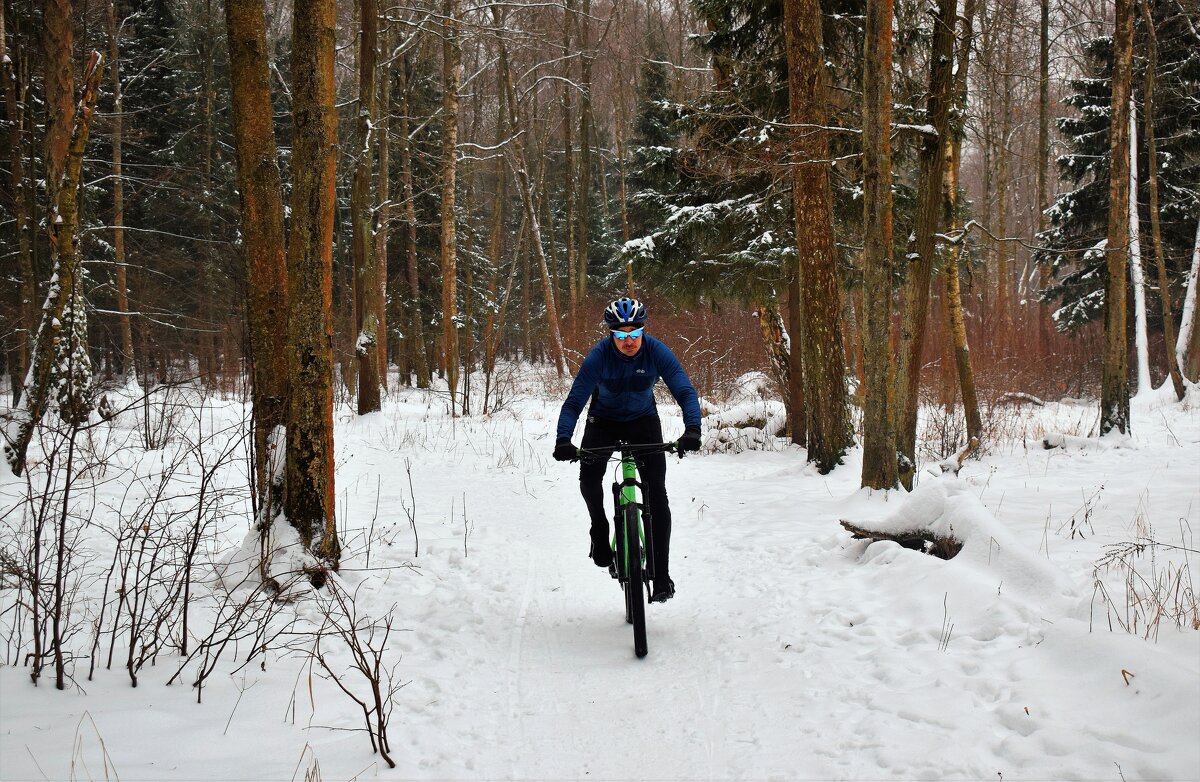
pixel 619 375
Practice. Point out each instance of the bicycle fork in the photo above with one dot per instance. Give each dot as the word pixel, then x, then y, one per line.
pixel 625 494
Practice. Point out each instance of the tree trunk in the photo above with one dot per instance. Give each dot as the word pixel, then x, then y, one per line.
pixel 797 409
pixel 263 241
pixel 382 225
pixel 1188 352
pixel 309 494
pixel 416 336
pixel 467 331
pixel 829 432
pixel 207 349
pixel 519 165
pixel 61 341
pixel 15 93
pixel 1043 162
pixel 1114 390
pixel 929 211
pixel 585 149
pixel 956 322
pixel 58 42
pixel 879 469
pixel 1004 275
pixel 535 235
pixel 962 353
pixel 620 134
pixel 1137 275
pixel 451 75
pixel 569 176
pixel 1164 289
pixel 366 277
pixel 128 369
pixel 775 337
pixel 495 251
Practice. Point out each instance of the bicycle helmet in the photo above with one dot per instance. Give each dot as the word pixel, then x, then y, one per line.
pixel 624 311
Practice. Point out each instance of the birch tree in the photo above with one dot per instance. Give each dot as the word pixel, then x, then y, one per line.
pixel 1137 276
pixel 1187 345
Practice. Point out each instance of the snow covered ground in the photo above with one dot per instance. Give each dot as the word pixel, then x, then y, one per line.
pixel 790 651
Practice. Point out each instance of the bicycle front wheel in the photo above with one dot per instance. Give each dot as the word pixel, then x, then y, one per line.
pixel 635 596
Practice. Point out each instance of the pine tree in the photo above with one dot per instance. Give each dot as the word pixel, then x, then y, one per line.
pixel 1073 242
pixel 712 202
pixel 654 168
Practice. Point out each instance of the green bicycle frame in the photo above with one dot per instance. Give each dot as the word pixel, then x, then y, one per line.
pixel 629 497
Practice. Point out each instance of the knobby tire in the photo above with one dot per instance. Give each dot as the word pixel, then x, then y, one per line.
pixel 635 595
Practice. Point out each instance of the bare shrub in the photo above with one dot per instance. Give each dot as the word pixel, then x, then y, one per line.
pixel 41 560
pixel 1156 583
pixel 343 630
pixel 245 622
pixel 162 410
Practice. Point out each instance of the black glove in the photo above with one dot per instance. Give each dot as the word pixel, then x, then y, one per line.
pixel 564 451
pixel 690 439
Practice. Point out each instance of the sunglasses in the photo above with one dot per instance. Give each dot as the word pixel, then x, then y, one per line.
pixel 624 335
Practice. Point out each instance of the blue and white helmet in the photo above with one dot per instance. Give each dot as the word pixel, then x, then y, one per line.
pixel 623 311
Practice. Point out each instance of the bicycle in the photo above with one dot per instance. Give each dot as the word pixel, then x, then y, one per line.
pixel 633 558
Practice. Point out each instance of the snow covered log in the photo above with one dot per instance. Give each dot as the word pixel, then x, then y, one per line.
pixel 1019 397
pixel 944 517
pixel 1058 440
pixel 752 419
pixel 916 539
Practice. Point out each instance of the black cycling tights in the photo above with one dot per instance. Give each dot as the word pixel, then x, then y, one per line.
pixel 652 471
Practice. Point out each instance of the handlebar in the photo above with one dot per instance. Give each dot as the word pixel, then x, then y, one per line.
pixel 628 449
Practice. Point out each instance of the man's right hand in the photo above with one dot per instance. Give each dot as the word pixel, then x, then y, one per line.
pixel 564 451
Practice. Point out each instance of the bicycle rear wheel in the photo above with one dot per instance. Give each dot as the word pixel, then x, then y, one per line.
pixel 635 596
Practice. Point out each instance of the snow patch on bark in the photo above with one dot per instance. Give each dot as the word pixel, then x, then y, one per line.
pixel 279 556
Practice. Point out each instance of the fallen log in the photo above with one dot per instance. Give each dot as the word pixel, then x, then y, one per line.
pixel 1058 440
pixel 1018 397
pixel 917 540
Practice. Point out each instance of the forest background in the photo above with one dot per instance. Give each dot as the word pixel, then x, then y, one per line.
pixel 228 225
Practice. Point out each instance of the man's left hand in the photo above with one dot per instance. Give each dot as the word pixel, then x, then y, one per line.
pixel 564 451
pixel 690 439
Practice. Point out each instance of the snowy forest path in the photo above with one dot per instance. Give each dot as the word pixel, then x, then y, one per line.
pixel 788 648
pixel 790 651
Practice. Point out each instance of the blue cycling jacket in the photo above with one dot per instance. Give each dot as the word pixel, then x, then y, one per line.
pixel 624 385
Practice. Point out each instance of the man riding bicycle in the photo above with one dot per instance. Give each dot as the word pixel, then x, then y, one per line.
pixel 618 376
